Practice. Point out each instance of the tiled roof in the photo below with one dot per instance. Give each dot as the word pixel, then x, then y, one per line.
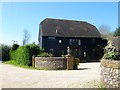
pixel 68 28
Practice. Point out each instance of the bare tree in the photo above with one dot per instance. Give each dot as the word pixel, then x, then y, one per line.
pixel 105 31
pixel 26 37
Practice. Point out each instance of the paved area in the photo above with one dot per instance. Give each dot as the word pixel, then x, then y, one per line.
pixel 15 77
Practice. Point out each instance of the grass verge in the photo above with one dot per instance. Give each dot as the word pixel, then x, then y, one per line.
pixel 12 62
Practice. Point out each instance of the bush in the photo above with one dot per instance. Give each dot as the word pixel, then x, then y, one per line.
pixel 23 55
pixel 44 54
pixel 112 55
pixel 4 53
pixel 15 46
pixel 41 51
pixel 13 54
pixel 76 63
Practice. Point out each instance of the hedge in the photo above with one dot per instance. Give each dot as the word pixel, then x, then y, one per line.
pixel 23 55
pixel 12 54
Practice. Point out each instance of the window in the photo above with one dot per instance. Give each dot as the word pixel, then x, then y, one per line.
pixel 51 37
pixel 79 42
pixel 72 42
pixel 75 42
pixel 60 41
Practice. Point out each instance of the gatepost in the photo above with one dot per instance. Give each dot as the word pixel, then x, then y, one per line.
pixel 69 62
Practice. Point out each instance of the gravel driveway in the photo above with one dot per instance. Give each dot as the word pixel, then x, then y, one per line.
pixel 15 77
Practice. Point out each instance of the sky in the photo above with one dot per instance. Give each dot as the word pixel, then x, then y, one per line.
pixel 18 16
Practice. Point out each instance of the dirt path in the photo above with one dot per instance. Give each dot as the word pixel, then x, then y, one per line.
pixel 15 77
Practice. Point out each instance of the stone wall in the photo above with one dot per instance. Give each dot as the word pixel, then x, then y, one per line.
pixel 110 73
pixel 50 63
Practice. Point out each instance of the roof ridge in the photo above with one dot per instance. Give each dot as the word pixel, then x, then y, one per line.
pixel 65 20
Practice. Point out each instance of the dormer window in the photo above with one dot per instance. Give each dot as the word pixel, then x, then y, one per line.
pixel 56 31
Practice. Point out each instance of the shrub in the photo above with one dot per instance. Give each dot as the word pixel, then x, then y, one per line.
pixel 4 53
pixel 112 55
pixel 13 54
pixel 76 63
pixel 15 46
pixel 44 54
pixel 23 55
pixel 41 51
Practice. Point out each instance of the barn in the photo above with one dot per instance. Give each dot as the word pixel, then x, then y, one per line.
pixel 83 38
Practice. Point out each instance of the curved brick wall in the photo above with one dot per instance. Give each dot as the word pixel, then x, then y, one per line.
pixel 51 63
pixel 110 73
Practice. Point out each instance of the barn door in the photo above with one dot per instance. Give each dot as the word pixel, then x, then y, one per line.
pixel 76 52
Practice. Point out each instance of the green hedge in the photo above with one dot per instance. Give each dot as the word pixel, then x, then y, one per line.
pixel 12 54
pixel 23 55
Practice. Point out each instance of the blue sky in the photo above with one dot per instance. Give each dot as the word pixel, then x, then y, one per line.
pixel 19 16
